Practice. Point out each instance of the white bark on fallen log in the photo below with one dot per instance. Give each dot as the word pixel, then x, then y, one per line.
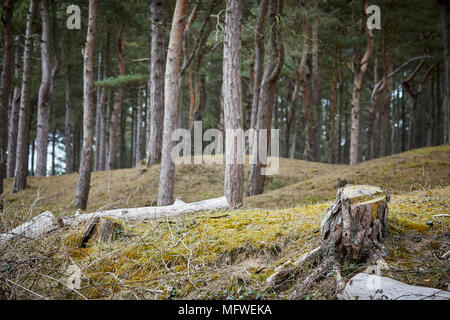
pixel 46 222
pixel 365 286
pixel 39 225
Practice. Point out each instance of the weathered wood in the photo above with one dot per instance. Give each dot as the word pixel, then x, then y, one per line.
pixel 352 230
pixel 102 229
pixel 36 227
pixel 365 286
pixel 46 222
pixel 355 225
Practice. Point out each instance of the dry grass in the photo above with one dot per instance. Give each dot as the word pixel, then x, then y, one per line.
pixel 224 254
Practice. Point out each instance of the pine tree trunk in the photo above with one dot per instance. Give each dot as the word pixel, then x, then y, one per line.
pixel 234 167
pixel 115 116
pixel 358 74
pixel 43 115
pixel 291 125
pixel 140 138
pixel 258 66
pixel 68 126
pixel 20 173
pixel 155 107
pixel 331 141
pixel 84 177
pixel 171 102
pixel 103 114
pixel 316 106
pixel 256 175
pixel 445 20
pixel 14 113
pixel 98 117
pixel 5 84
pixel 122 133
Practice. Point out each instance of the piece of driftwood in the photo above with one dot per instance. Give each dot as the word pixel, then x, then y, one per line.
pixel 365 286
pixel 352 230
pixel 102 229
pixel 46 222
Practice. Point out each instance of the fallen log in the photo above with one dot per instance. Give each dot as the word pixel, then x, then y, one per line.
pixel 365 286
pixel 46 222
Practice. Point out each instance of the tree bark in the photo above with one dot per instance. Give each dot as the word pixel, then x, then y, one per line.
pixel 5 84
pixel 140 134
pixel 84 177
pixel 20 173
pixel 103 114
pixel 331 141
pixel 43 115
pixel 259 65
pixel 115 115
pixel 445 20
pixel 68 125
pixel 352 231
pixel 155 106
pixel 316 106
pixel 358 74
pixel 256 176
pixel 388 66
pixel 234 167
pixel 171 101
pixel 14 113
pixel 291 125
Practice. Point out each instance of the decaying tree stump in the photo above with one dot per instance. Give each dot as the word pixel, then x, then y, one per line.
pixel 355 225
pixel 352 230
pixel 102 229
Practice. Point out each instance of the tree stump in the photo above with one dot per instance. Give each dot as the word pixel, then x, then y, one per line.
pixel 352 230
pixel 355 225
pixel 102 229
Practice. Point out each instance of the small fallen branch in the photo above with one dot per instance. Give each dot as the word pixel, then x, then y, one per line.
pixel 46 222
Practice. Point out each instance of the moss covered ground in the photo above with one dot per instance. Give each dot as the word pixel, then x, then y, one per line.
pixel 228 254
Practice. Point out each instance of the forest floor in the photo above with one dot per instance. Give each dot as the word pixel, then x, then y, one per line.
pixel 229 254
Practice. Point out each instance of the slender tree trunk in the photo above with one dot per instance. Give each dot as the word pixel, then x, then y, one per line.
pixel 438 121
pixel 234 167
pixel 331 141
pixel 140 134
pixel 316 105
pixel 445 20
pixel 14 114
pixel 122 133
pixel 256 175
pixel 104 118
pixel 308 152
pixel 358 74
pixel 340 111
pixel 291 125
pixel 259 65
pixel 115 116
pixel 68 126
pixel 98 117
pixel 155 107
pixel 84 177
pixel 171 101
pixel 372 132
pixel 43 115
pixel 388 66
pixel 429 114
pixel 20 173
pixel 5 85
